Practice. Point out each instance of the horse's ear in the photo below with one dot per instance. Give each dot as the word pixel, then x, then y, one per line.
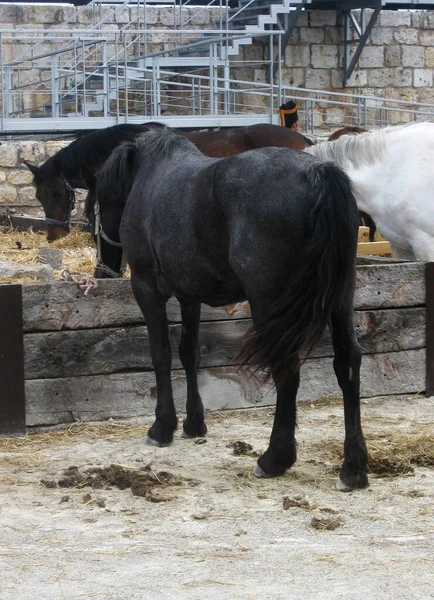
pixel 57 167
pixel 87 175
pixel 34 169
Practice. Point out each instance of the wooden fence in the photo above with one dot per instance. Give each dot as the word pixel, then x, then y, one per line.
pixel 87 357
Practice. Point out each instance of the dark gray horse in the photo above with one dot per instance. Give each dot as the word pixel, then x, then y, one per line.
pixel 274 226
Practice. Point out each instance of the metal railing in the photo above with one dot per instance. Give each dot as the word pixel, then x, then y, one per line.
pixel 99 78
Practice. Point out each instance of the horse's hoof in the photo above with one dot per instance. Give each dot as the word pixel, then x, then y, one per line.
pixel 152 442
pixel 193 431
pixel 356 483
pixel 186 436
pixel 342 487
pixel 260 473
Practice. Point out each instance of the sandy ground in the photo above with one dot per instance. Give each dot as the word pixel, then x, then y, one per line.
pixel 220 533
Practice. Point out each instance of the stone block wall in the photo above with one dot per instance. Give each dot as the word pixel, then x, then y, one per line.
pixel 397 62
pixel 16 187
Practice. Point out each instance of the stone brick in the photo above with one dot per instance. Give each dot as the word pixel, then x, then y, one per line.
pixel 371 57
pixel 2 177
pixel 404 35
pixel 426 37
pixel 12 13
pixel 334 116
pixel 44 14
pixel 312 35
pixel 260 76
pixel 413 56
pixel 424 95
pixel 423 78
pixel 426 20
pixel 85 16
pixel 297 56
pixel 8 154
pixel 334 35
pixel 429 57
pixel 122 15
pixel 416 19
pixel 324 57
pixel 303 19
pixel 69 15
pixel 294 77
pixel 381 78
pixel 358 79
pixel 381 35
pixel 394 18
pixel 32 151
pixel 8 194
pixel 20 176
pixel 318 79
pixel 393 56
pixel 320 18
pixel 27 194
pixel 254 52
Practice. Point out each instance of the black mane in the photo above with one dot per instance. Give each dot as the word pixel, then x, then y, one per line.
pixel 92 148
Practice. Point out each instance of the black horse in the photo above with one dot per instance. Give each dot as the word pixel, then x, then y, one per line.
pixel 274 226
pixel 57 178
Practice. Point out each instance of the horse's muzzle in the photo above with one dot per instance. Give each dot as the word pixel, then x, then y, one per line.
pixel 55 232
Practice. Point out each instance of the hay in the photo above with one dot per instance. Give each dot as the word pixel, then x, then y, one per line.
pixel 78 251
pixel 390 455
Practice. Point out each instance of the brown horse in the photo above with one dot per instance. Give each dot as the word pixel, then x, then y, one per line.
pixel 346 131
pixel 58 177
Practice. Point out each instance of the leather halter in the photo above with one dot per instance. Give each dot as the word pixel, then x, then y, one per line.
pixel 71 206
pixel 100 233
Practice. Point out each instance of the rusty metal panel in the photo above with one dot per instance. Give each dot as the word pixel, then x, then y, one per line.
pixel 12 398
pixel 429 283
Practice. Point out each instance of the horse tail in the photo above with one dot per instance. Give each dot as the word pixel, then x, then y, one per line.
pixel 296 321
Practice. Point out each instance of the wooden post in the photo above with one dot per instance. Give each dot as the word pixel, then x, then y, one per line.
pixel 429 284
pixel 12 399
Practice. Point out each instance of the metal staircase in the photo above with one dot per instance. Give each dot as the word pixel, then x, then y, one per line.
pixel 98 75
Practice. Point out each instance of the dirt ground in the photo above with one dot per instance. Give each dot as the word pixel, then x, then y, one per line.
pixel 203 528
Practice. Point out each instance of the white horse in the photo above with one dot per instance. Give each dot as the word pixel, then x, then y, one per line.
pixel 392 171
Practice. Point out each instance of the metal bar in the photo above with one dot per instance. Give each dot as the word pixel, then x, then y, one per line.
pixel 429 285
pixel 364 38
pixel 12 396
pixel 292 22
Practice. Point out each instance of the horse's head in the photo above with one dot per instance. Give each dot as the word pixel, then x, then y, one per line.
pixel 56 196
pixel 105 225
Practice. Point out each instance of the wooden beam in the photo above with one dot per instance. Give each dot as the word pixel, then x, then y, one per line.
pixel 375 248
pixel 59 305
pixel 12 401
pixel 117 349
pixel 429 279
pixel 51 401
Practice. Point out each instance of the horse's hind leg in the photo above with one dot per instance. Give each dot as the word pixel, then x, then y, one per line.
pixel 194 425
pixel 281 453
pixel 153 307
pixel 347 368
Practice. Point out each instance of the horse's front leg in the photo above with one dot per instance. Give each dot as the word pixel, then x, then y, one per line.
pixel 281 453
pixel 347 368
pixel 153 307
pixel 194 424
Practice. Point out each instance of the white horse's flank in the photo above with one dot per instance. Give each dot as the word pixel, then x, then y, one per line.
pixel 392 171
